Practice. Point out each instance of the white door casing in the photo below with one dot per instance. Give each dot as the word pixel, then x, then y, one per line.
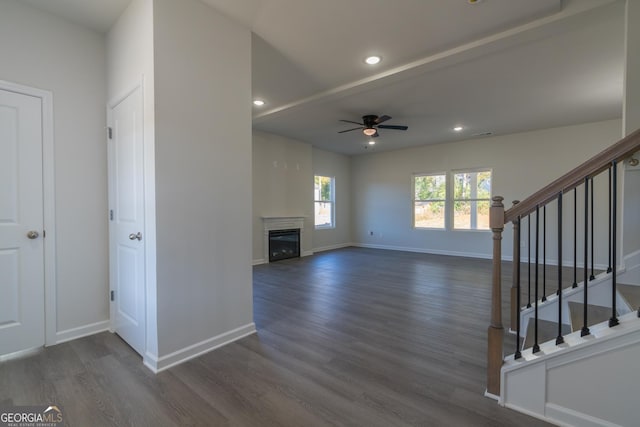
pixel 126 222
pixel 22 303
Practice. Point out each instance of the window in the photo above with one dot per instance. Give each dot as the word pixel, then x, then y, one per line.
pixel 471 200
pixel 429 201
pixel 323 195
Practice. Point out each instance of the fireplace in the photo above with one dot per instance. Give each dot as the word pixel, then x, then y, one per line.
pixel 288 236
pixel 284 244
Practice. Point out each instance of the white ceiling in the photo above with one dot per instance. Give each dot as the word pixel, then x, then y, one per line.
pixel 498 66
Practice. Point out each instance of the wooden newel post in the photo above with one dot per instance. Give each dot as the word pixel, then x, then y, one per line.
pixel 515 312
pixel 496 331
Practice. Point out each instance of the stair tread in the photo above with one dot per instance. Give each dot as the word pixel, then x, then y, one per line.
pixel 547 331
pixel 595 314
pixel 631 293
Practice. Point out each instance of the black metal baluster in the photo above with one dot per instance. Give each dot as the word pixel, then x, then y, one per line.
pixel 544 253
pixel 575 238
pixel 614 225
pixel 585 329
pixel 593 240
pixel 529 260
pixel 609 267
pixel 536 347
pixel 518 354
pixel 559 339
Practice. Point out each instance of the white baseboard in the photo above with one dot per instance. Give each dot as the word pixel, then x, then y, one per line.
pixel 464 254
pixel 158 364
pixel 332 247
pixel 306 253
pixel 491 396
pixel 568 417
pixel 423 250
pixel 632 274
pixel 82 331
pixel 536 415
pixel 258 261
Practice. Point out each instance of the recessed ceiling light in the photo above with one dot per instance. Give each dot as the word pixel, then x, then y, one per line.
pixel 373 60
pixel 258 102
pixel 457 128
pixel 372 142
pixel 474 1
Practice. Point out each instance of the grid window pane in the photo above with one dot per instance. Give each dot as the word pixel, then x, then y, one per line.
pixel 429 214
pixel 323 214
pixel 430 187
pixel 471 215
pixel 484 185
pixel 462 186
pixel 323 188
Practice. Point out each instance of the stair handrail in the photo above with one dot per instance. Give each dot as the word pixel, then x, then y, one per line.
pixel 618 152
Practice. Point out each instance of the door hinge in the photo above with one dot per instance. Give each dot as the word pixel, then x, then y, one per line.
pixel 111 215
pixel 110 132
pixel 44 233
pixel 113 295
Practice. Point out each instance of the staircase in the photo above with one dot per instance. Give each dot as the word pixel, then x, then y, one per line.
pixel 576 347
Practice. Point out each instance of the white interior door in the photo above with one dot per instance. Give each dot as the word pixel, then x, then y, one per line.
pixel 127 243
pixel 21 223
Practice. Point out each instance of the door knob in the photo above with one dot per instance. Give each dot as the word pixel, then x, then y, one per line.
pixel 33 234
pixel 137 236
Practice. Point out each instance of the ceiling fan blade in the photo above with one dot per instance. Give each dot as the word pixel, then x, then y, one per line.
pixel 355 123
pixel 382 118
pixel 349 130
pixel 393 127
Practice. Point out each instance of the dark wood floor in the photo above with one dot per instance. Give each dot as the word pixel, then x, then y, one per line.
pixel 356 337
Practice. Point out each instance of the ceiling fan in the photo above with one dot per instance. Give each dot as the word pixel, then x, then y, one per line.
pixel 371 123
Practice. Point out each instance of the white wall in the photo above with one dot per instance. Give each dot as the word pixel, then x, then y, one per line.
pixel 282 186
pixel 203 176
pixel 631 108
pixel 631 122
pixel 46 52
pixel 522 163
pixel 130 63
pixel 338 166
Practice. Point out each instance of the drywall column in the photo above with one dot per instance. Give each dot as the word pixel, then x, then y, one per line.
pixel 202 72
pixel 630 122
pixel 130 63
pixel 631 107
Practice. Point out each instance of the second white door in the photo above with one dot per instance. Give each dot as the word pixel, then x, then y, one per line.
pixel 22 320
pixel 126 231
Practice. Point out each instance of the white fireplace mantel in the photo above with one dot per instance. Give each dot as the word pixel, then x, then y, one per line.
pixel 280 223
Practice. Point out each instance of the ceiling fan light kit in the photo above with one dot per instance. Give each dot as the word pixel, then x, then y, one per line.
pixel 371 123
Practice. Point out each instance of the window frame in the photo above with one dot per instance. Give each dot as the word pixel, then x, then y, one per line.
pixel 453 199
pixel 332 203
pixel 414 200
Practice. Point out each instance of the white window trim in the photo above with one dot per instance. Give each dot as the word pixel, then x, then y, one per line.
pixel 332 201
pixel 452 198
pixel 413 201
